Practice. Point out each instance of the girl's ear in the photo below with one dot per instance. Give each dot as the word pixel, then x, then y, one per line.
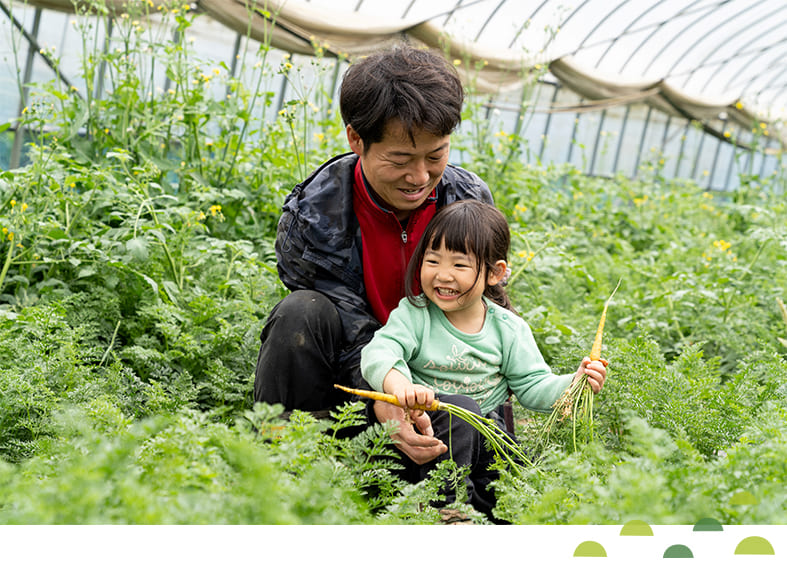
pixel 497 273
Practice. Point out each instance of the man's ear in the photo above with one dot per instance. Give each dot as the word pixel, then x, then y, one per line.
pixel 497 273
pixel 355 141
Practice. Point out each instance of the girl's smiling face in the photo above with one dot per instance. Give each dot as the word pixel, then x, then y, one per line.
pixel 455 283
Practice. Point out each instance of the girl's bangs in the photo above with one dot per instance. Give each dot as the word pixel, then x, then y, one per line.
pixel 453 233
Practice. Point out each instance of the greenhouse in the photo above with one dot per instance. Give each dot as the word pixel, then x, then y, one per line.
pixel 183 185
pixel 693 87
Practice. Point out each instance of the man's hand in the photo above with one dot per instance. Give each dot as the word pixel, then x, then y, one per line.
pixel 420 448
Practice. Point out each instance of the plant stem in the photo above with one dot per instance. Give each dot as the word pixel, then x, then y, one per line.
pixel 9 256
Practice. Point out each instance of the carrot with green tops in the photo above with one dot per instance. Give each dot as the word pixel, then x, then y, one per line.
pixel 595 350
pixel 388 398
pixel 577 400
pixel 506 448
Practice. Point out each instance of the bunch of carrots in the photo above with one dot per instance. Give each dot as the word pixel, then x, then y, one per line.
pixel 577 400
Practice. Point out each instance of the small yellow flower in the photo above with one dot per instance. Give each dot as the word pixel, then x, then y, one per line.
pixel 738 105
pixel 201 216
pixel 13 203
pixel 727 134
pixel 72 185
pixel 722 245
pixel 10 236
pixel 215 210
pixel 24 206
pixel 457 62
pixel 5 230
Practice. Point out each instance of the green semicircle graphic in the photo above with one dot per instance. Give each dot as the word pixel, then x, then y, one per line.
pixel 678 551
pixel 708 524
pixel 754 545
pixel 590 549
pixel 636 528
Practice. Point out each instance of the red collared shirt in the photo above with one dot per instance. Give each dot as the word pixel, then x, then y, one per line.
pixel 387 245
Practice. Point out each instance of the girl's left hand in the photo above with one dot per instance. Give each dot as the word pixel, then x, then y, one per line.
pixel 596 372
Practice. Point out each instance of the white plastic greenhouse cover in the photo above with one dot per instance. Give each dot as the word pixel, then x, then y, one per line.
pixel 692 58
pixel 716 64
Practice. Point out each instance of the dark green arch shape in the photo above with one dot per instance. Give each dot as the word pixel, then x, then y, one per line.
pixel 708 524
pixel 678 551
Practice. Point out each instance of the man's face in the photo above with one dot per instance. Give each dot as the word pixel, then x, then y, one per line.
pixel 400 173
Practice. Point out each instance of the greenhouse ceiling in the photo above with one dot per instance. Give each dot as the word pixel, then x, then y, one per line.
pixel 701 60
pixel 695 58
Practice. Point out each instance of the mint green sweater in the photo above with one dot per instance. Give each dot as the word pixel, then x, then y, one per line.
pixel 421 343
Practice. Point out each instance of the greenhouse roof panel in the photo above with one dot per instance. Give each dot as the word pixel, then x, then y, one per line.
pixel 728 52
pixel 707 48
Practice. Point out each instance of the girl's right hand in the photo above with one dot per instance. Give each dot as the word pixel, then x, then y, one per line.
pixel 411 396
pixel 408 394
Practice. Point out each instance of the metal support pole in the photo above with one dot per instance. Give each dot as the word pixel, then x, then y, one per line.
pixel 19 134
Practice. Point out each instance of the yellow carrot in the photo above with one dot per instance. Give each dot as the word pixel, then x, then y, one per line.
pixel 376 396
pixel 595 351
pixel 577 401
pixel 504 446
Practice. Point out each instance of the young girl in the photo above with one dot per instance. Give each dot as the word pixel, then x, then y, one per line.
pixel 456 335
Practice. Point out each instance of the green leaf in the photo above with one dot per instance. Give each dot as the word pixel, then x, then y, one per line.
pixel 138 248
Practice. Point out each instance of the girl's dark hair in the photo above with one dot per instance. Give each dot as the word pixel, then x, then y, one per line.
pixel 468 227
pixel 416 87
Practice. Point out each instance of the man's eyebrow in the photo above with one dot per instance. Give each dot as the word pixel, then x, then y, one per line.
pixel 403 153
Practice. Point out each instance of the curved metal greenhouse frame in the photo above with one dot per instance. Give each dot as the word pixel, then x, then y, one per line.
pixel 695 87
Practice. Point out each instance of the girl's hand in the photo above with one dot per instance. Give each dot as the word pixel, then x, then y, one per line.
pixel 411 396
pixel 596 372
pixel 408 394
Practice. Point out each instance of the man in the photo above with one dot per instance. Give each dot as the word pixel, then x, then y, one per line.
pixel 347 232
